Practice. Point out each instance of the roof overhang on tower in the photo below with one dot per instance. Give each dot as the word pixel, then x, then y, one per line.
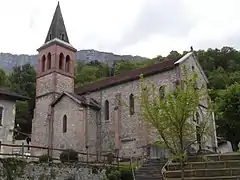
pixel 59 42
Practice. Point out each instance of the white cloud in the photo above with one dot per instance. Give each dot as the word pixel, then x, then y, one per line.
pixel 137 27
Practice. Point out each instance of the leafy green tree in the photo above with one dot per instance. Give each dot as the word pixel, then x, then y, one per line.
pixel 123 66
pixel 219 79
pixel 234 77
pixel 228 114
pixel 157 59
pixel 174 55
pixel 172 116
pixel 146 63
pixel 22 80
pixel 94 63
pixel 3 79
pixel 86 74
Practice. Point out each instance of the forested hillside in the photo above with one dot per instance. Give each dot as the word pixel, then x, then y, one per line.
pixel 8 61
pixel 222 67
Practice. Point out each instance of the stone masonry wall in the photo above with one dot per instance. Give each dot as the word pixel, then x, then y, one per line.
pixel 92 130
pixel 211 139
pixel 40 123
pixel 132 135
pixel 132 132
pixel 73 138
pixel 20 170
pixel 8 120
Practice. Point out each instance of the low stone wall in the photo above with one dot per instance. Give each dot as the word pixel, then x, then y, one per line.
pixel 15 169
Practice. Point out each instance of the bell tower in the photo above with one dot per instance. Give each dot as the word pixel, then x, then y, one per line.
pixel 55 74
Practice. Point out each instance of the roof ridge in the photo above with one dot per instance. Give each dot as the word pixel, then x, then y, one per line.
pixel 130 75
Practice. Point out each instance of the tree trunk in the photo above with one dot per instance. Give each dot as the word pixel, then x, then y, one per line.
pixel 182 157
pixel 182 168
pixel 235 145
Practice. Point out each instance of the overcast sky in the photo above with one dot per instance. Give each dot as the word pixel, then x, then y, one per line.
pixel 137 27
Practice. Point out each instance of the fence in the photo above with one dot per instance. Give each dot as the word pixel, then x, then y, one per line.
pixel 105 158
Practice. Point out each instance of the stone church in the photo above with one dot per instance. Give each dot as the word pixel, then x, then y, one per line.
pixel 92 118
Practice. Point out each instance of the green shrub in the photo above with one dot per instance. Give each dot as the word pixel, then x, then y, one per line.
pixel 117 174
pixel 110 158
pixel 112 176
pixel 44 158
pixel 69 155
pixel 126 173
pixel 109 170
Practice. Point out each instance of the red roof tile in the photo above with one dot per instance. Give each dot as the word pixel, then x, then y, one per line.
pixel 126 77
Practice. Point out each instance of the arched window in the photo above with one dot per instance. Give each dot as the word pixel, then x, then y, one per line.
pixel 198 137
pixel 162 92
pixel 43 63
pixel 49 63
pixel 197 117
pixel 61 59
pixel 64 123
pixel 67 67
pixel 196 85
pixel 131 104
pixel 106 110
pixel 50 36
pixel 193 68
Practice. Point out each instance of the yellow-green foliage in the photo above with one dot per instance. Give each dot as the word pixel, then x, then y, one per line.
pixel 172 116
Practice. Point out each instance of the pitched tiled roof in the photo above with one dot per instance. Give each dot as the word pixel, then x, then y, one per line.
pixel 127 76
pixel 92 102
pixel 78 99
pixel 12 95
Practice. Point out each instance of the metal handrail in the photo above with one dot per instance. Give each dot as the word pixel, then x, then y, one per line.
pixel 163 171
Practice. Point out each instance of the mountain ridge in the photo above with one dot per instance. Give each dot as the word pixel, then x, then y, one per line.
pixel 9 60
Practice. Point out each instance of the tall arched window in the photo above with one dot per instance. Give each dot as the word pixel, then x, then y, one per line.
pixel 106 110
pixel 49 63
pixel 197 117
pixel 131 104
pixel 67 67
pixel 43 63
pixel 64 123
pixel 198 137
pixel 162 92
pixel 61 59
pixel 193 68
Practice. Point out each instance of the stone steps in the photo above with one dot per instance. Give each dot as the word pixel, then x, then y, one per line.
pixel 214 157
pixel 148 178
pixel 151 170
pixel 208 178
pixel 207 165
pixel 218 166
pixel 204 172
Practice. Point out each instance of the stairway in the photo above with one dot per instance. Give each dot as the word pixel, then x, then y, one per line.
pixel 151 170
pixel 217 167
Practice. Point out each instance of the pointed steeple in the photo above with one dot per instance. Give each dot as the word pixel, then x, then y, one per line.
pixel 57 28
